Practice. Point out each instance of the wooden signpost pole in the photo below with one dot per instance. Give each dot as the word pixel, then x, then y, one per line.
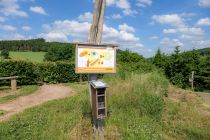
pixel 192 83
pixel 95 36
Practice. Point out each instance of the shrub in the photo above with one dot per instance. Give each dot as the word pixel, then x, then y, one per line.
pixel 59 52
pixel 31 73
pixel 5 54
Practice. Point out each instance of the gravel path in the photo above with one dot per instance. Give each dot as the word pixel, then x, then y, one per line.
pixel 44 94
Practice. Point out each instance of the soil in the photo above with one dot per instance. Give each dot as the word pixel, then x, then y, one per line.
pixel 44 94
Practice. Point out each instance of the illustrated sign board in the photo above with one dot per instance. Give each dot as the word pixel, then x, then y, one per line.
pixel 95 59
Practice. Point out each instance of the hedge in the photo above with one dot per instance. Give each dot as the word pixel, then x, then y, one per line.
pixel 31 73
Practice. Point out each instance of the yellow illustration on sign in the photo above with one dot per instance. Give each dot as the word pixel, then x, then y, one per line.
pixel 95 59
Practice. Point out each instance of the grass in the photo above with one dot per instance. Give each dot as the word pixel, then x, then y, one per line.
pixel 2 112
pixel 30 56
pixel 137 109
pixel 24 90
pixel 58 120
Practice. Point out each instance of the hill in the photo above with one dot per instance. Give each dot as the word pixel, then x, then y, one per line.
pixel 205 51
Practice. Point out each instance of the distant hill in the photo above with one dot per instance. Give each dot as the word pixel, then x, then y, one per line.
pixel 205 51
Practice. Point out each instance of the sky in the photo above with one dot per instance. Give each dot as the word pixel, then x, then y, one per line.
pixel 141 26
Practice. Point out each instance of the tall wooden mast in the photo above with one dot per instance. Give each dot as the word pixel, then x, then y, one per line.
pixel 96 29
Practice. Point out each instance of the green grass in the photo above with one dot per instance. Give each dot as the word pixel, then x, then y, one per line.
pixel 30 56
pixel 137 109
pixel 2 112
pixel 58 120
pixel 24 90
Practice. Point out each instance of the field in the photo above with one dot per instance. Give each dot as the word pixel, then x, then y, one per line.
pixel 140 106
pixel 29 56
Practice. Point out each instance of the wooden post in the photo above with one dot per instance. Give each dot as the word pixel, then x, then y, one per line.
pixel 13 84
pixel 95 37
pixel 80 79
pixel 192 83
pixel 96 30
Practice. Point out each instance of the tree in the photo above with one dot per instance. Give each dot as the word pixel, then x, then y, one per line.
pixel 5 54
pixel 59 52
pixel 160 59
pixel 128 57
pixel 176 68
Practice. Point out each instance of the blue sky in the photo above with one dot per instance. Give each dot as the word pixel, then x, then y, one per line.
pixel 139 25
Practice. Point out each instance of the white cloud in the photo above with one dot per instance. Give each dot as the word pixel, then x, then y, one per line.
pixel 124 5
pixel 15 36
pixel 11 8
pixel 188 37
pixel 2 19
pixel 185 30
pixel 54 36
pixel 61 30
pixel 171 19
pixel 167 42
pixel 144 3
pixel 116 16
pixel 154 37
pixel 110 2
pixel 88 16
pixel 26 28
pixel 125 27
pixel 7 28
pixel 204 3
pixel 168 31
pixel 201 43
pixel 38 10
pixel 203 22
pixel 71 30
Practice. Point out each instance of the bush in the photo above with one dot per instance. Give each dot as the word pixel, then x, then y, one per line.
pixel 31 73
pixel 59 52
pixel 5 54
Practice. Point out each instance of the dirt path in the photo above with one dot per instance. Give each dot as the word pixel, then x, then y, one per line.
pixel 45 93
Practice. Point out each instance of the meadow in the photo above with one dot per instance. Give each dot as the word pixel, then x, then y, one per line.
pixel 139 107
pixel 28 56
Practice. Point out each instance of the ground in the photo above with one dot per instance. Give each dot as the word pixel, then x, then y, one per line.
pixel 44 94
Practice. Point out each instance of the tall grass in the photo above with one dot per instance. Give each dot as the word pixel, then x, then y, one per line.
pixel 135 105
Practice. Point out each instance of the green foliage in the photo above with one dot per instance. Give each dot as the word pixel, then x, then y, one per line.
pixel 5 54
pixel 152 105
pixel 180 65
pixel 128 57
pixel 136 105
pixel 31 73
pixel 59 52
pixel 34 45
pixel 25 70
pixel 132 63
pixel 160 60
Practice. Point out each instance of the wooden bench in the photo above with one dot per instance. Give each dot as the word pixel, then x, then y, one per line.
pixel 13 81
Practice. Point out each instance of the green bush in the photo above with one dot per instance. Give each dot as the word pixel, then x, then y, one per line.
pixel 31 73
pixel 5 54
pixel 60 52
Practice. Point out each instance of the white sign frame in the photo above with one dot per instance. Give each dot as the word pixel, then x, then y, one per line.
pixel 97 70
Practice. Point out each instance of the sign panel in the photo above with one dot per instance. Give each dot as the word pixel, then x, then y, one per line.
pixel 95 59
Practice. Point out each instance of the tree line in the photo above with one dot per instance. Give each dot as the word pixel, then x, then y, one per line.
pixel 34 45
pixel 179 66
